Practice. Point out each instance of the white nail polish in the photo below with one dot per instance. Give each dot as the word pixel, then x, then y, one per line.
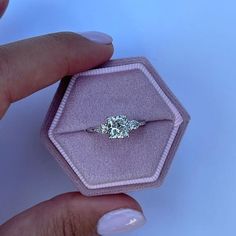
pixel 98 37
pixel 120 221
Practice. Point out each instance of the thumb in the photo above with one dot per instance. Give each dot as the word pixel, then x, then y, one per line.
pixel 75 214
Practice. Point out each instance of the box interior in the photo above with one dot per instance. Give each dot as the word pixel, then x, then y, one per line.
pixel 90 98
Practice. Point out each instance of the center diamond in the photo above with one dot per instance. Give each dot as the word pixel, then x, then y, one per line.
pixel 116 127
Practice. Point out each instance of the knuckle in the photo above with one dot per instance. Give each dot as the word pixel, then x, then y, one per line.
pixel 71 223
pixel 71 220
pixel 66 42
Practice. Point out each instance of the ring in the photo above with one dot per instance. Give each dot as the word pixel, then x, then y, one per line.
pixel 117 126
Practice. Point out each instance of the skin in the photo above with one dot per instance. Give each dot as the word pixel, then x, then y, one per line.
pixel 39 62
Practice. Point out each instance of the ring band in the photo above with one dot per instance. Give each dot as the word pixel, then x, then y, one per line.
pixel 117 126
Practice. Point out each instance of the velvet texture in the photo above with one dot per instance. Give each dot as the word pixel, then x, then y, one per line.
pixel 97 164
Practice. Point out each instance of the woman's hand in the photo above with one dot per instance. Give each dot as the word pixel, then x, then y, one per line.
pixel 30 65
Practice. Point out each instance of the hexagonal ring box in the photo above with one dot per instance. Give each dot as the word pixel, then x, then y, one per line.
pixel 96 163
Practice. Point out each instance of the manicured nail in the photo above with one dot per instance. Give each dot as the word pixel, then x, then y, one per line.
pixel 98 37
pixel 120 221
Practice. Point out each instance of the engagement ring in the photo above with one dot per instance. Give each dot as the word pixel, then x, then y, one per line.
pixel 117 126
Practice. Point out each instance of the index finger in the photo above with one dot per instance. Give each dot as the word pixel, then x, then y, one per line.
pixel 29 65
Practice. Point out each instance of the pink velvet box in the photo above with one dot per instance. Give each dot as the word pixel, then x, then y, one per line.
pixel 99 165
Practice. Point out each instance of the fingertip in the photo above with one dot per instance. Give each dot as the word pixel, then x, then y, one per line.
pixel 101 203
pixel 75 214
pixel 124 215
pixel 120 221
pixel 98 37
pixel 107 214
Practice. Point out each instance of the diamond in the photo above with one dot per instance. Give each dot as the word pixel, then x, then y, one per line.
pixel 116 127
pixel 133 124
pixel 104 129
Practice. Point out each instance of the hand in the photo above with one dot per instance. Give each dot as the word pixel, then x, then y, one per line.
pixel 27 66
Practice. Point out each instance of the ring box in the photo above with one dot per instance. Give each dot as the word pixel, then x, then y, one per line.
pixel 99 165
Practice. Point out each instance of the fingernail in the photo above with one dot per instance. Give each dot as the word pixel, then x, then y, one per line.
pixel 98 37
pixel 120 221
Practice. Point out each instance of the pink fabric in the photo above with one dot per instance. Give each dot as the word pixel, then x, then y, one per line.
pixel 102 161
